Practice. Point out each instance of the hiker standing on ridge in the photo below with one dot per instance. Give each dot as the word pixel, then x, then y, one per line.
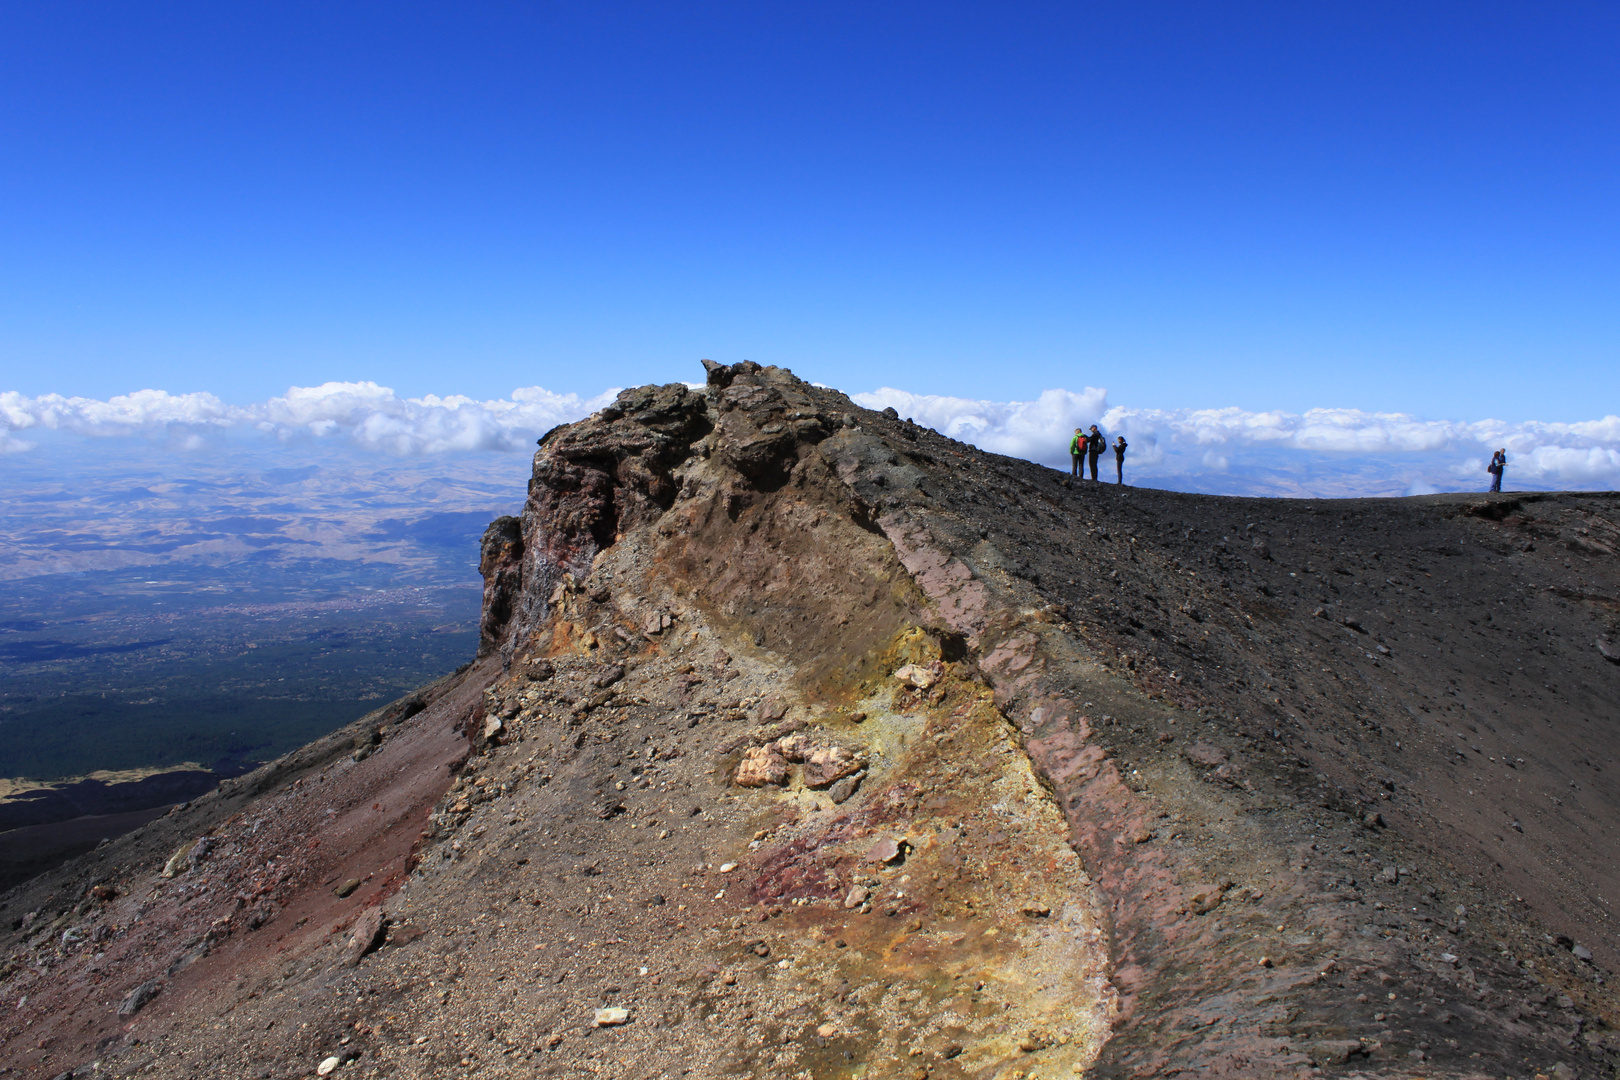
pixel 1094 446
pixel 1077 451
pixel 1119 456
pixel 1497 467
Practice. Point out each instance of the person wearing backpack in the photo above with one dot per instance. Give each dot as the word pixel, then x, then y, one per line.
pixel 1077 452
pixel 1119 457
pixel 1094 447
pixel 1497 467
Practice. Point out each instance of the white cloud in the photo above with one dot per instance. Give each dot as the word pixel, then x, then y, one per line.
pixel 374 416
pixel 1321 451
pixel 1024 429
pixel 364 413
pixel 125 414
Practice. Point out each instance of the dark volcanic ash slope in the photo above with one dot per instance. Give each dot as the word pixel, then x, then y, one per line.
pixel 804 741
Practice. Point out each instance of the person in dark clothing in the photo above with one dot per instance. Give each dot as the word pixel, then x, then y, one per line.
pixel 1497 467
pixel 1077 452
pixel 1119 457
pixel 1094 447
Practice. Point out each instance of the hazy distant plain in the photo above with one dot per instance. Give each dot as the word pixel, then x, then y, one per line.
pixel 161 608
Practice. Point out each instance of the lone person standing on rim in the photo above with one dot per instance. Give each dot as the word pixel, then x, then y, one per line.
pixel 1119 456
pixel 1094 446
pixel 1077 451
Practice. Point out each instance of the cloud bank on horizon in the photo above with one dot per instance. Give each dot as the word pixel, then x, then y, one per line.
pixel 1320 453
pixel 365 414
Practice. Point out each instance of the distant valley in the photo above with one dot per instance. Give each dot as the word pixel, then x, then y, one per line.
pixel 171 612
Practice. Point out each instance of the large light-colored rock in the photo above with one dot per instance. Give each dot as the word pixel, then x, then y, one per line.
pixel 794 747
pixel 918 675
pixel 761 765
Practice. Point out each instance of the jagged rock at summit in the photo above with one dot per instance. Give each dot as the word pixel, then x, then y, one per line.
pixel 805 741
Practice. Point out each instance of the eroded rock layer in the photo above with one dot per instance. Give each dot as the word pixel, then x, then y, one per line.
pixel 804 741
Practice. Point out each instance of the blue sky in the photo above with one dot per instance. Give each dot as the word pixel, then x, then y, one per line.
pixel 1271 206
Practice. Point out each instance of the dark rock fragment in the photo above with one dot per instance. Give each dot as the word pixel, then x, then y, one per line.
pixel 368 933
pixel 138 998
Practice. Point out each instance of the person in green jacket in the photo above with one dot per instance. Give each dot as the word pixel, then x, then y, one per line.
pixel 1077 451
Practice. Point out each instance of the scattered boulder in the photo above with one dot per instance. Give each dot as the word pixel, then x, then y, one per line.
pixel 921 676
pixel 1609 649
pixel 1205 899
pixel 347 888
pixel 368 933
pixel 769 764
pixel 138 998
pixel 884 851
pixel 841 790
pixel 1204 754
pixel 1333 1051
pixel 1033 1043
pixel 761 765
pixel 184 857
pixel 610 1017
pixel 795 748
pixel 823 767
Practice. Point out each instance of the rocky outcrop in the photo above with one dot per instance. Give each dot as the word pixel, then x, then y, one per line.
pixel 500 561
pixel 592 481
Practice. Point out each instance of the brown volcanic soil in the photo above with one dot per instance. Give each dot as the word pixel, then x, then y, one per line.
pixel 1230 787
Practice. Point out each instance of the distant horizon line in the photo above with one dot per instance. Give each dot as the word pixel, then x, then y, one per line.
pixel 1223 449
